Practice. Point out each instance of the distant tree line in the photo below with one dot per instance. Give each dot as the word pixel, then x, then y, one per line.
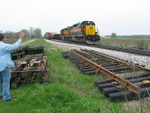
pixel 31 33
pixel 114 35
pixel 134 36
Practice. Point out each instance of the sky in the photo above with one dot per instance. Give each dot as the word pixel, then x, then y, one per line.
pixel 123 17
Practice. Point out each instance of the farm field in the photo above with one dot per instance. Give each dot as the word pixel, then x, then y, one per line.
pixel 69 91
pixel 145 43
pixel 11 40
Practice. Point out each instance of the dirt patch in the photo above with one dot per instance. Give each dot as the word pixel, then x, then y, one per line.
pixel 138 106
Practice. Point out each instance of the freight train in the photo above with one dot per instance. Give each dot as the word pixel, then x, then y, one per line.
pixel 84 31
pixel 50 36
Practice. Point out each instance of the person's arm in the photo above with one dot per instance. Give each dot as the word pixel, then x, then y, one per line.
pixel 10 47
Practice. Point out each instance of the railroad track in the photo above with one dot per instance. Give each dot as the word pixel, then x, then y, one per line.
pixel 123 80
pixel 127 50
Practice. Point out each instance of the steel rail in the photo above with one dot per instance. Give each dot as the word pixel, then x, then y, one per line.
pixel 127 50
pixel 124 62
pixel 124 83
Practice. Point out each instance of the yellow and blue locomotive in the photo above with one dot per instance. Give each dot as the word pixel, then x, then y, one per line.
pixel 82 32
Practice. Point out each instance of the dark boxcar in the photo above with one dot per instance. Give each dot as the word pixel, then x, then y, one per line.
pixel 56 36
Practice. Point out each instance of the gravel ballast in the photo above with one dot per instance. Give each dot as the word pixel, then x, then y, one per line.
pixel 138 59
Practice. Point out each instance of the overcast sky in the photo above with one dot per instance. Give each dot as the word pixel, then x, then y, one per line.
pixel 124 17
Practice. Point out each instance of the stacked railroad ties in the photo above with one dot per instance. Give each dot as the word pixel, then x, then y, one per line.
pixel 31 65
pixel 123 80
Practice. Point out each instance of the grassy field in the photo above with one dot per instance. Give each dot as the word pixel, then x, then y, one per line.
pixel 27 39
pixel 10 40
pixel 135 43
pixel 69 91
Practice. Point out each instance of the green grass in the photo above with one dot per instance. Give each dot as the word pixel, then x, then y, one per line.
pixel 69 91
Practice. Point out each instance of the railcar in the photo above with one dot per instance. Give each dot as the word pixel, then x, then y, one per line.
pixel 57 36
pixel 48 35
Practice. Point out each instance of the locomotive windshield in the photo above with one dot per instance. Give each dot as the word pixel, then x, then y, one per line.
pixel 91 23
pixel 87 23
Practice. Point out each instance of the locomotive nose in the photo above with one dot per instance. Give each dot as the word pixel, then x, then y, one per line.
pixel 90 31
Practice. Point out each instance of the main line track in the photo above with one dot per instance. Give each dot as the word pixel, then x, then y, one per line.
pixel 127 50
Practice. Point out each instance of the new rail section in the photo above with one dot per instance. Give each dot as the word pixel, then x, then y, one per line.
pixel 123 80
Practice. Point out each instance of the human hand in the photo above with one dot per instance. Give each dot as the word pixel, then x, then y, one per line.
pixel 22 36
